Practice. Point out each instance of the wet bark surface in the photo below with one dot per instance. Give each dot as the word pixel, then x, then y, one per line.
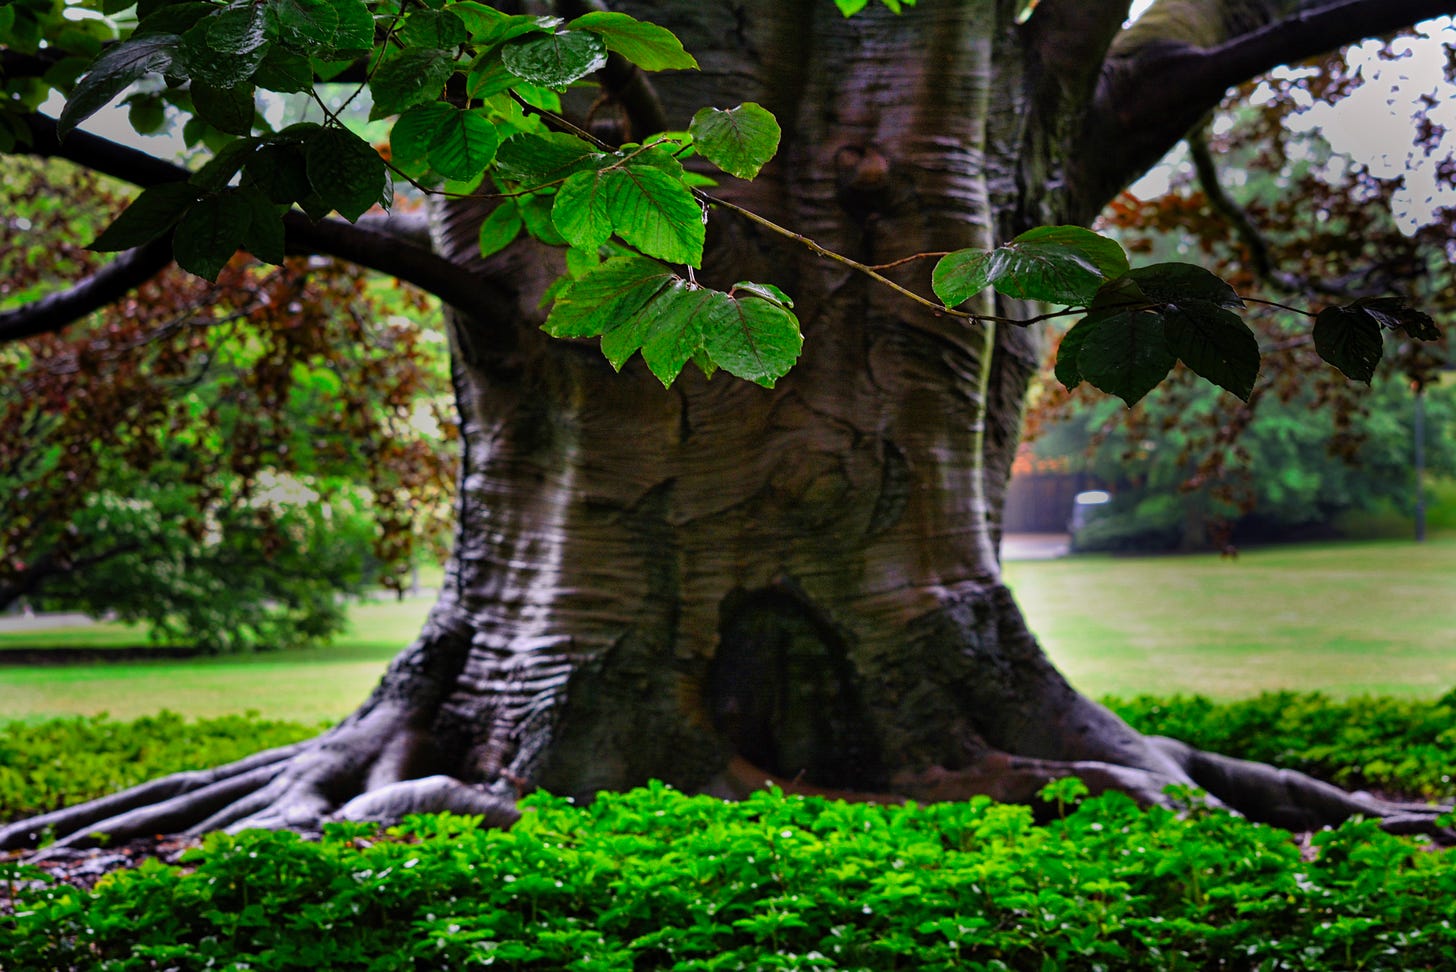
pixel 719 584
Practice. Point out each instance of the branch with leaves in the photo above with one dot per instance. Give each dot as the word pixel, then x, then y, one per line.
pixel 475 98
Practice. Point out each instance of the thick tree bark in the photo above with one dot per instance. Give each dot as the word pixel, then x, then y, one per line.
pixel 717 584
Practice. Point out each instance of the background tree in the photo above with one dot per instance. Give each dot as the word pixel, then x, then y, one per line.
pixel 1296 218
pixel 718 581
pixel 218 461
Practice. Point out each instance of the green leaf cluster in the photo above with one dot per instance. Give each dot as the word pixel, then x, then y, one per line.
pixel 560 188
pixel 1138 323
pixel 635 304
pixel 653 879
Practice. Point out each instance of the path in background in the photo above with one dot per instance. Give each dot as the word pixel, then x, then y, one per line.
pixel 1035 546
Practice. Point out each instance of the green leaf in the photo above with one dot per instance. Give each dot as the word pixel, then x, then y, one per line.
pixel 1170 283
pixel 556 60
pixel 582 211
pixel 489 27
pixel 177 18
pixel 240 31
pixel 413 77
pixel 284 71
pixel 1125 352
pixel 670 327
pixel 210 233
pixel 753 337
pixel 961 275
pixel 649 46
pixel 606 298
pixel 305 26
pixel 536 216
pixel 740 141
pixel 345 171
pixel 279 172
pixel 539 160
pixel 433 28
pixel 1349 339
pixel 265 235
pixel 198 61
pixel 1057 264
pixel 114 71
pixel 356 26
pixel 226 109
pixel 149 216
pixel 655 213
pixel 1067 370
pixel 1102 252
pixel 500 228
pixel 147 113
pixel 220 169
pixel 1213 342
pixel 463 145
pixel 488 77
pixel 763 291
pixel 413 134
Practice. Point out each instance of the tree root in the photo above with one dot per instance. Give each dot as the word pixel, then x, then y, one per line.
pixel 1262 793
pixel 348 774
pixel 345 774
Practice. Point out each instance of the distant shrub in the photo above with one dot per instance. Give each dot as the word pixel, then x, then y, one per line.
pixel 652 879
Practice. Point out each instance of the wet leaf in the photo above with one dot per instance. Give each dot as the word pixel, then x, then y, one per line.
pixel 1349 339
pixel 648 46
pixel 556 60
pixel 740 141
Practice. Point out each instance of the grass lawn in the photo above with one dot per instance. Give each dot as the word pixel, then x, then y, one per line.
pixel 1374 617
pixel 308 685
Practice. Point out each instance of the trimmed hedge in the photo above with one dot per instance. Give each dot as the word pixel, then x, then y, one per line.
pixel 51 764
pixel 655 880
pixel 652 879
pixel 1398 745
pixel 1405 746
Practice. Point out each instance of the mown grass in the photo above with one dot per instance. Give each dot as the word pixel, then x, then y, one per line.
pixel 1375 617
pixel 308 685
pixel 1343 618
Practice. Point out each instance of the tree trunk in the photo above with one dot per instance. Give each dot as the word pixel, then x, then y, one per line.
pixel 718 583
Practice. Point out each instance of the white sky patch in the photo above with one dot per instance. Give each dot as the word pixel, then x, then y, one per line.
pixel 1374 125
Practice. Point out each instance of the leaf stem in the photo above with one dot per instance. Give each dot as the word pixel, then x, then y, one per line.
pixel 1274 303
pixel 839 258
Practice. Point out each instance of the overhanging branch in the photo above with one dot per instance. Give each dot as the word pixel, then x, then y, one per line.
pixel 371 246
pixel 55 311
pixel 1150 96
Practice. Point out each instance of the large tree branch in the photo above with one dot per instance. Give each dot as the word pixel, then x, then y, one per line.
pixel 370 245
pixel 1150 94
pixel 55 311
pixel 1070 39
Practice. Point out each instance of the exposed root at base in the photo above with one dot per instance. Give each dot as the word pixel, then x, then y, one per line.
pixel 332 778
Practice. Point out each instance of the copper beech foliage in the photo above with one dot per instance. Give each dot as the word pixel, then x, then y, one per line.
pixel 308 370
